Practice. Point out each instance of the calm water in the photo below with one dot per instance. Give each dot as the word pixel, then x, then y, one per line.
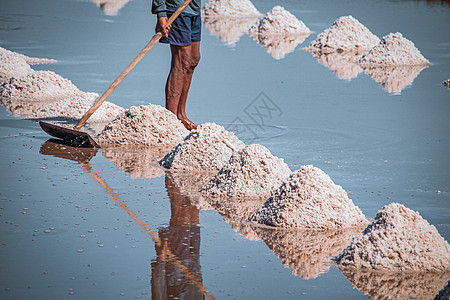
pixel 106 224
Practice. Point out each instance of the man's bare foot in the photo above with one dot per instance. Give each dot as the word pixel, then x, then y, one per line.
pixel 188 124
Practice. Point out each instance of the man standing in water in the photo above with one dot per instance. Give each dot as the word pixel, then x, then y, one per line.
pixel 184 38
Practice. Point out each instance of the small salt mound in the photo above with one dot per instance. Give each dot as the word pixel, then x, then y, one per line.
pixel 27 59
pixel 306 253
pixel 138 162
pixel 394 50
pixel 394 79
pixel 206 148
pixel 12 65
pixel 111 7
pixel 398 286
pixel 230 8
pixel 39 85
pixel 398 240
pixel 309 199
pixel 150 125
pixel 279 46
pixel 346 34
pixel 77 106
pixel 343 64
pixel 253 172
pixel 279 21
pixel 229 29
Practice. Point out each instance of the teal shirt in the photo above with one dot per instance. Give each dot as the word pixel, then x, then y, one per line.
pixel 162 7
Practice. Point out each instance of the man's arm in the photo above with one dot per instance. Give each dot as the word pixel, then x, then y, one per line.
pixel 159 8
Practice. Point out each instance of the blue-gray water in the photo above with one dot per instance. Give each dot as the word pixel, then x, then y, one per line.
pixel 75 230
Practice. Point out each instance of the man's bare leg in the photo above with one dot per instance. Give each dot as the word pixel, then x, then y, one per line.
pixel 184 61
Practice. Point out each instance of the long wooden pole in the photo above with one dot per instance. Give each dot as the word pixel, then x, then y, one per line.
pixel 130 67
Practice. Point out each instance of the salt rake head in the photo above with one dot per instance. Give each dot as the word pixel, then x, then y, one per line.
pixel 74 138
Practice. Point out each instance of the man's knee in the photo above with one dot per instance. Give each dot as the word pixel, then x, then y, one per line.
pixel 186 60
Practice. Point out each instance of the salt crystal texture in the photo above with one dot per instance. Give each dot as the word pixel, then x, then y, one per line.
pixel 346 34
pixel 27 59
pixel 309 199
pixel 230 8
pixel 398 240
pixel 306 253
pixel 12 65
pixel 206 148
pixel 394 50
pixel 398 286
pixel 39 85
pixel 229 29
pixel 150 125
pixel 278 21
pixel 253 172
pixel 111 7
pixel 77 106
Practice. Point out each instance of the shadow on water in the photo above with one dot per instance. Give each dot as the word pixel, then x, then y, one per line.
pixel 176 272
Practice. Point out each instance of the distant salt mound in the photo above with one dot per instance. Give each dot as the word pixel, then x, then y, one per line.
pixel 278 21
pixel 344 65
pixel 150 125
pixel 76 107
pixel 111 7
pixel 229 29
pixel 398 240
pixel 253 172
pixel 40 86
pixel 309 199
pixel 394 50
pixel 206 148
pixel 230 8
pixel 346 34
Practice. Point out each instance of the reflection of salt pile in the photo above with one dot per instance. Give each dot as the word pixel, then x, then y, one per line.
pixel 206 148
pixel 236 210
pixel 139 162
pixel 189 185
pixel 253 172
pixel 230 8
pixel 245 230
pixel 346 34
pixel 394 79
pixel 398 240
pixel 111 7
pixel 14 64
pixel 398 286
pixel 229 29
pixel 310 199
pixel 76 107
pixel 394 50
pixel 343 64
pixel 278 21
pixel 279 32
pixel 306 253
pixel 150 125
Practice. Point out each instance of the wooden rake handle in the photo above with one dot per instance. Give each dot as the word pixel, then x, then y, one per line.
pixel 130 67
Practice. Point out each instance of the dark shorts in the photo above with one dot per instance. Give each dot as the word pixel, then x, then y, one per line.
pixel 186 29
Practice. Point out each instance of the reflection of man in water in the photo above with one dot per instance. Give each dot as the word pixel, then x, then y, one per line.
pixel 182 238
pixel 184 38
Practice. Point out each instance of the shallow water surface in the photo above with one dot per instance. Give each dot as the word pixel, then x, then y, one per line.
pixel 110 223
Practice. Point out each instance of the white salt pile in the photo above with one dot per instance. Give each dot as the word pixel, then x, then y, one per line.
pixel 229 29
pixel 76 107
pixel 206 148
pixel 306 253
pixel 280 46
pixel 12 65
pixel 27 59
pixel 309 199
pixel 40 86
pixel 394 50
pixel 253 172
pixel 398 240
pixel 346 34
pixel 398 285
pixel 394 79
pixel 343 64
pixel 230 8
pixel 138 162
pixel 279 21
pixel 111 7
pixel 150 125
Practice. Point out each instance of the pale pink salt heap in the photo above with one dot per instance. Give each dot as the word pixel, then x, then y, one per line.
pixel 279 21
pixel 399 240
pixel 150 125
pixel 111 7
pixel 394 50
pixel 309 199
pixel 346 34
pixel 253 172
pixel 206 148
pixel 230 8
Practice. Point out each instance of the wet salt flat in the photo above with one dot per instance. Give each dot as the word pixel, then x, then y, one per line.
pixel 109 223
